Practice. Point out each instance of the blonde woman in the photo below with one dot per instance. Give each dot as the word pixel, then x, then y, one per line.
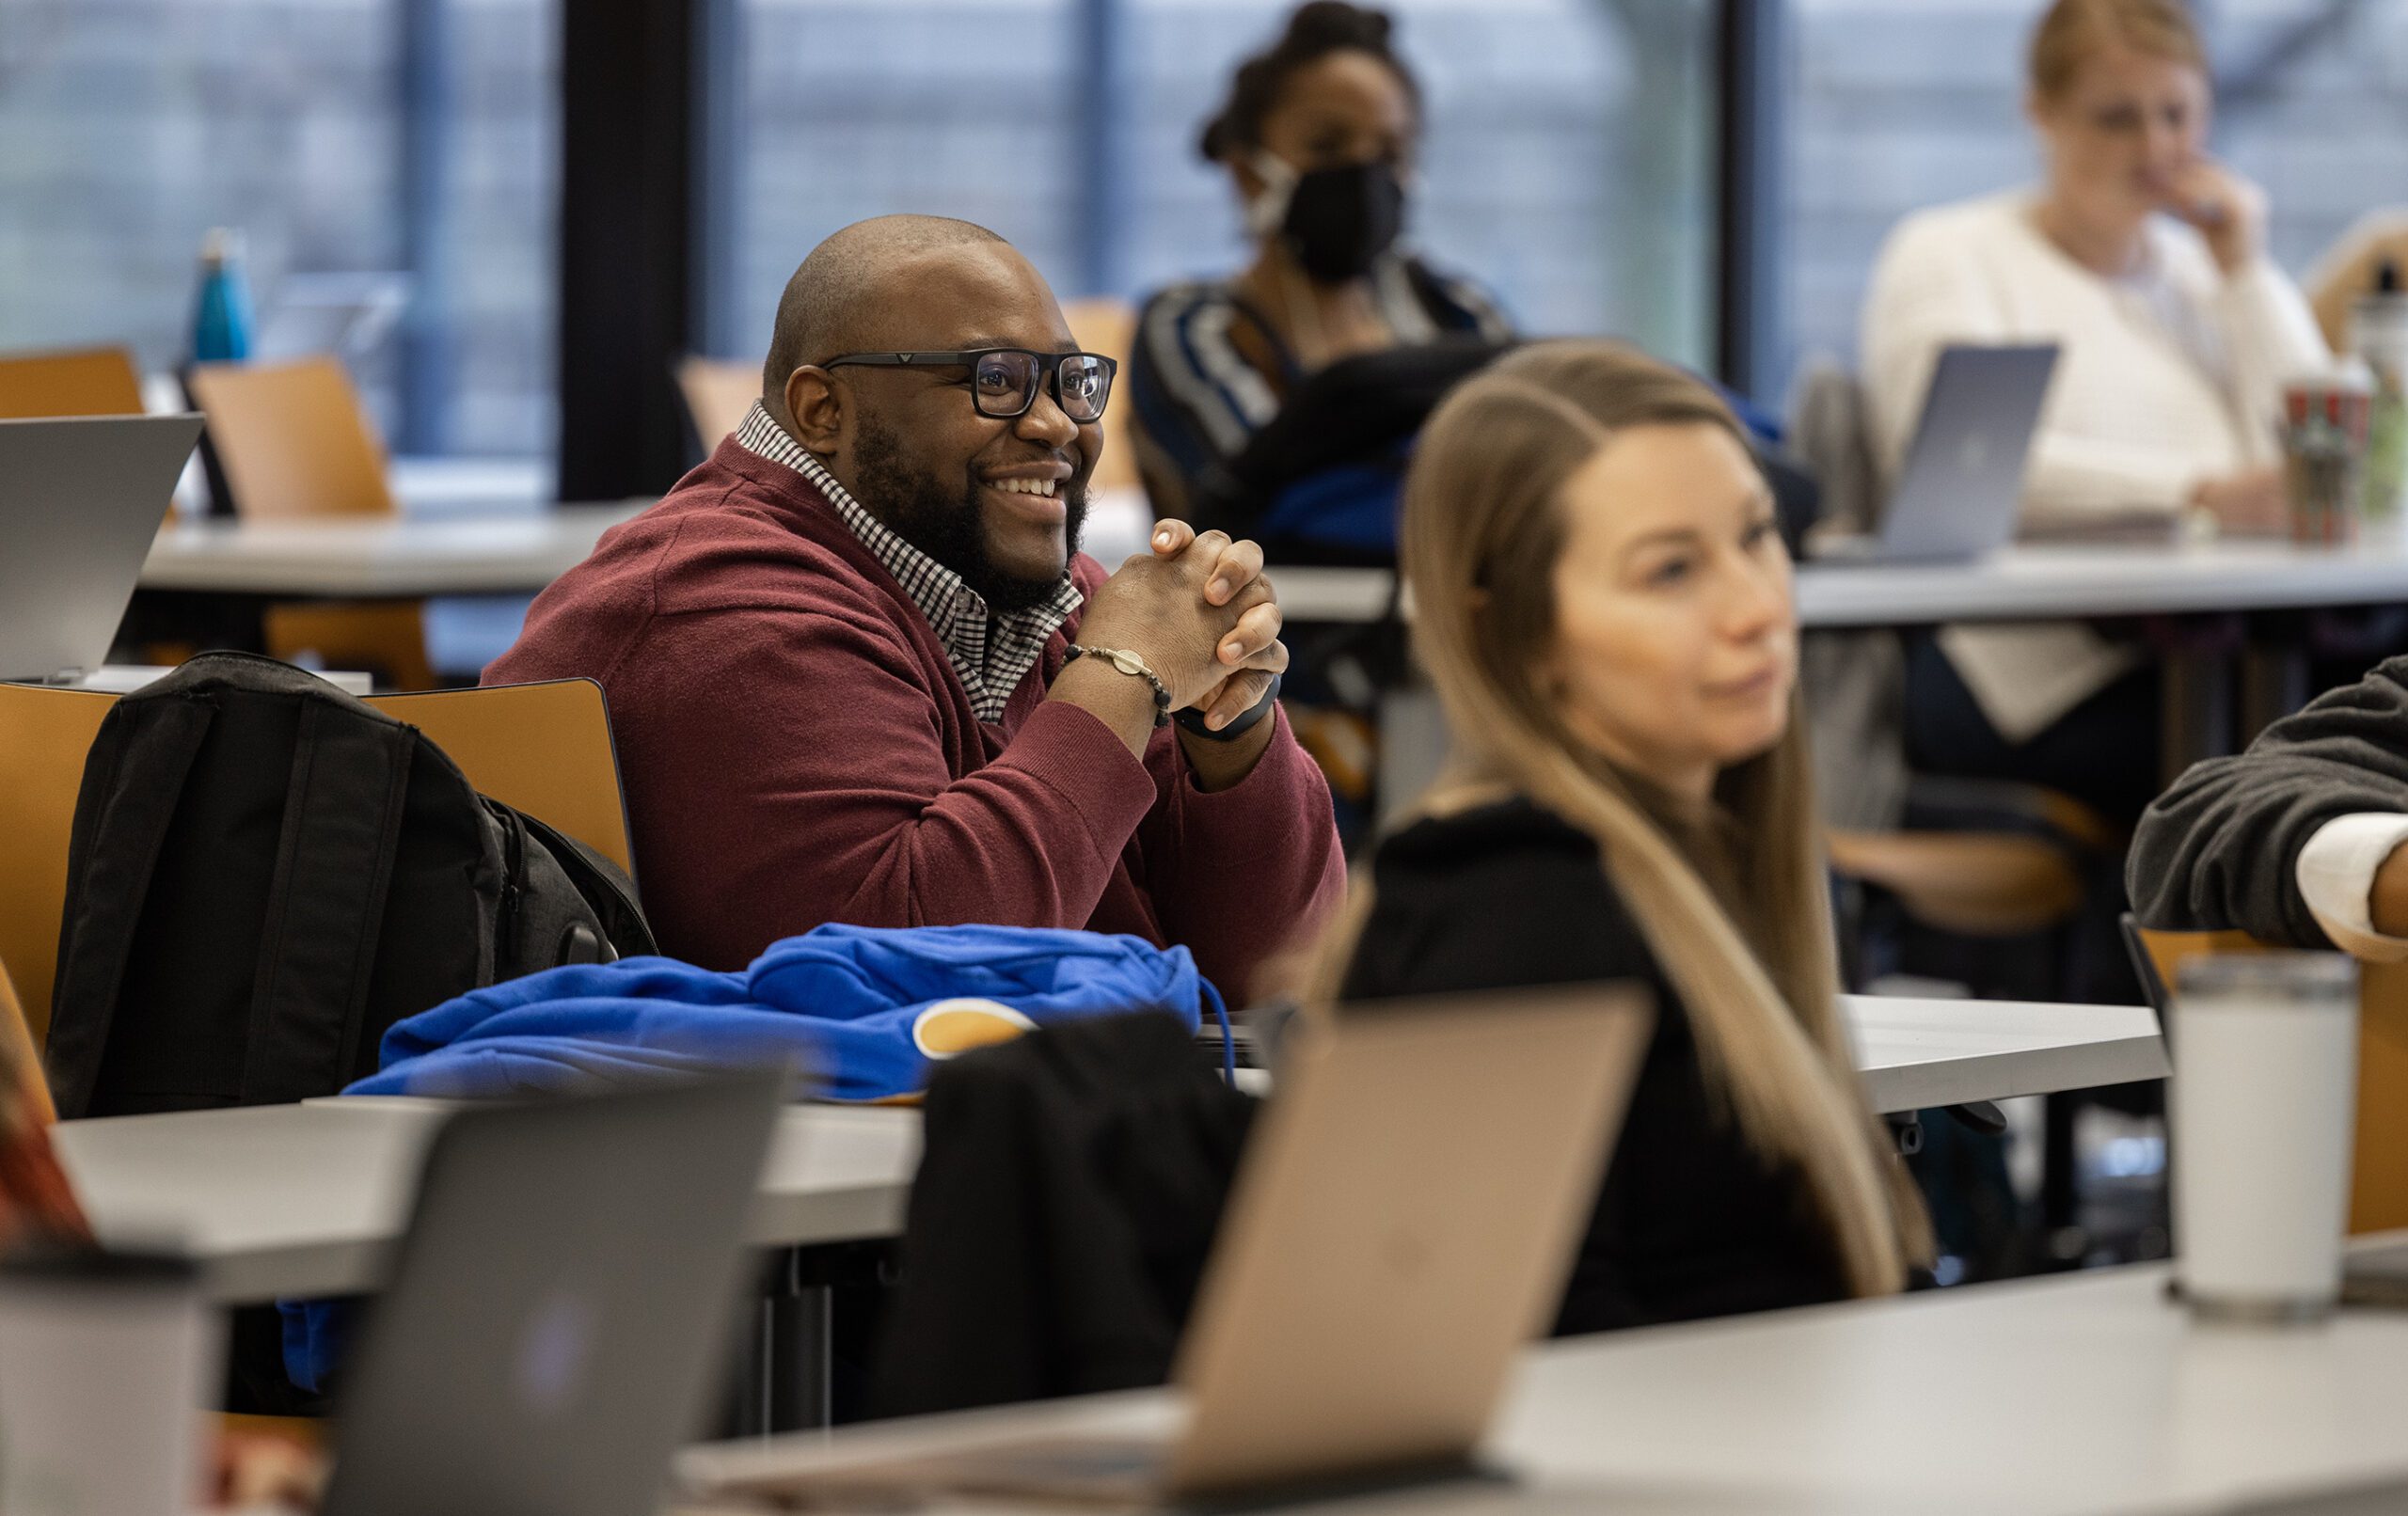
pixel 2144 260
pixel 1605 608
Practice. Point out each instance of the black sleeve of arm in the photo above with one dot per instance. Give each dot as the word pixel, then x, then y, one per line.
pixel 2221 848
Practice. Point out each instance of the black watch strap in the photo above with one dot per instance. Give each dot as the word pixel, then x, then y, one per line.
pixel 1192 719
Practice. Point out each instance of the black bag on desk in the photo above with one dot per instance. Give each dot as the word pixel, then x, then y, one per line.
pixel 266 874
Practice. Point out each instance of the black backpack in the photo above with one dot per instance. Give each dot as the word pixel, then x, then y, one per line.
pixel 266 874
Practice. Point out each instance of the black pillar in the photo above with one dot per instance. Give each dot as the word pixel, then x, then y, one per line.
pixel 1749 189
pixel 628 200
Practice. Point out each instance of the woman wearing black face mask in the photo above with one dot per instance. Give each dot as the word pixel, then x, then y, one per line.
pixel 1318 133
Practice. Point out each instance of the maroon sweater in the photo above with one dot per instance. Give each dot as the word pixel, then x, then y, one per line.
pixel 797 748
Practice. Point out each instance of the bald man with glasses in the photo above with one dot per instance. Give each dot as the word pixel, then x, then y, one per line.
pixel 859 670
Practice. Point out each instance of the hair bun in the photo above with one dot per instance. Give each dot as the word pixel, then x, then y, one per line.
pixel 1323 25
pixel 1314 30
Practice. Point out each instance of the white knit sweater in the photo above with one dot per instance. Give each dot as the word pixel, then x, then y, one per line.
pixel 2168 377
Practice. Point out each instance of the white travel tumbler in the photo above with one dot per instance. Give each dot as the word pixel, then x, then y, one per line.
pixel 106 1360
pixel 2262 1106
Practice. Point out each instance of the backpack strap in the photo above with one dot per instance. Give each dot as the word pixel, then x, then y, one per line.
pixel 325 906
pixel 112 849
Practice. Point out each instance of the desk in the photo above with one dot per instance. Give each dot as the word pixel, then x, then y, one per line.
pixel 2202 696
pixel 2037 582
pixel 2074 1393
pixel 378 557
pixel 307 1199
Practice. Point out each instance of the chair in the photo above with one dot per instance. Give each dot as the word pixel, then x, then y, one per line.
pixel 2379 1172
pixel 718 392
pixel 44 733
pixel 2028 875
pixel 544 748
pixel 295 445
pixel 18 1053
pixel 98 381
pixel 2346 269
pixel 1109 326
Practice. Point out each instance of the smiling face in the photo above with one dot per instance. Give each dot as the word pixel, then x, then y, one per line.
pixel 2121 134
pixel 1677 639
pixel 999 503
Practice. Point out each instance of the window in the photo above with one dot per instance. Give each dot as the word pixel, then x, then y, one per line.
pixel 406 139
pixel 1568 148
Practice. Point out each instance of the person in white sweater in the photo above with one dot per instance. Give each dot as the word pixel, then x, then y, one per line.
pixel 2144 260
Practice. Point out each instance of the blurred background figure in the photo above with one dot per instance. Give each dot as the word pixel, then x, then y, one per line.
pixel 1319 136
pixel 2145 258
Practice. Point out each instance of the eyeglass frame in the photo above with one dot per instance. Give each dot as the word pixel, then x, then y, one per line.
pixel 1048 373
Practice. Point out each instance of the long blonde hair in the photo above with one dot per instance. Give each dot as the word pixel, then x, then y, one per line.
pixel 1482 528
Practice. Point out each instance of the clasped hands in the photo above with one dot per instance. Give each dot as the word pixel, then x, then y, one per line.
pixel 1202 612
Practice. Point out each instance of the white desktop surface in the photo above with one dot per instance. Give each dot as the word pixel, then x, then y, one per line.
pixel 307 1199
pixel 380 556
pixel 2033 582
pixel 1918 1054
pixel 2064 1395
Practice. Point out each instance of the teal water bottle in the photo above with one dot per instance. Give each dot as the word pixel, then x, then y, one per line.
pixel 221 322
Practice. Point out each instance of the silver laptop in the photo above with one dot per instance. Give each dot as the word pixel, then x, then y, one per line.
pixel 1962 483
pixel 563 1291
pixel 1406 1214
pixel 81 499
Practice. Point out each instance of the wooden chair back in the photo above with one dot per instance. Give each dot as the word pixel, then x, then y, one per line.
pixel 2379 1182
pixel 44 733
pixel 718 392
pixel 1109 326
pixel 20 1058
pixel 293 440
pixel 96 381
pixel 544 748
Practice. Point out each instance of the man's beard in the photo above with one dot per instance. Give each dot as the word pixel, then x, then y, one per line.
pixel 949 526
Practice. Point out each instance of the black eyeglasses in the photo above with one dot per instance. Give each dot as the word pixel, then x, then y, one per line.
pixel 1004 381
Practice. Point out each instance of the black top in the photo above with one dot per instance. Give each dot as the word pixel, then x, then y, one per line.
pixel 1690 1222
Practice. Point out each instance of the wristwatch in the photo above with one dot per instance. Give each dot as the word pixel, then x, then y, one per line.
pixel 1192 719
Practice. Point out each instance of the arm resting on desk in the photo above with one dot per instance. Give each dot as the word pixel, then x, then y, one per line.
pixel 2223 847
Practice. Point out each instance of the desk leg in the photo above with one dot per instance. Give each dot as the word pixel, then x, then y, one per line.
pixel 785 1355
pixel 2196 716
pixel 2274 683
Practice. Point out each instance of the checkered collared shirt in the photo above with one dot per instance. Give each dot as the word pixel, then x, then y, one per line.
pixel 992 653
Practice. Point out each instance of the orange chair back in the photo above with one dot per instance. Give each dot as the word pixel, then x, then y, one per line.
pixel 542 748
pixel 44 734
pixel 718 392
pixel 2379 1182
pixel 293 440
pixel 98 381
pixel 1110 327
pixel 20 1060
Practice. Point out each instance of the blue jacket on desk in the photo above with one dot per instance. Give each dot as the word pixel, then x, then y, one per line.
pixel 862 1013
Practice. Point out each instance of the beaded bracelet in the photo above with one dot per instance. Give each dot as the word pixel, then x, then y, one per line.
pixel 1128 663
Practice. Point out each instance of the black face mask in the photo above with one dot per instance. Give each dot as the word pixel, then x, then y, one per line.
pixel 1340 220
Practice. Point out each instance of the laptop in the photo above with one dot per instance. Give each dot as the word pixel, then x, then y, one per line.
pixel 81 499
pixel 1958 494
pixel 564 1290
pixel 1401 1226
